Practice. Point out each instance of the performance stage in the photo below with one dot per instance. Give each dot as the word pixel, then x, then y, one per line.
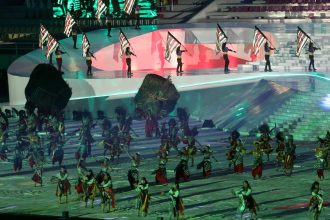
pixel 109 69
pixel 202 66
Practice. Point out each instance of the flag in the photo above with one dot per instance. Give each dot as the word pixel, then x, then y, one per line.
pixel 43 36
pixel 302 38
pixel 258 40
pixel 101 8
pixel 171 44
pixel 221 38
pixel 128 6
pixel 123 42
pixel 85 44
pixel 69 22
pixel 52 44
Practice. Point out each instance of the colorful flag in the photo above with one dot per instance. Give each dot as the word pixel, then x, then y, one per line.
pixel 302 38
pixel 221 38
pixel 52 44
pixel 43 36
pixel 258 40
pixel 171 44
pixel 101 8
pixel 123 42
pixel 85 44
pixel 128 6
pixel 69 22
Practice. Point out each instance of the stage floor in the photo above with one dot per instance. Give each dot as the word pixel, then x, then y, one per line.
pixel 278 196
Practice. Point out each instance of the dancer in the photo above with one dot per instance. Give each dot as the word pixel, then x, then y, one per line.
pixel 143 198
pixel 206 164
pixel 58 54
pixel 316 201
pixel 176 202
pixel 246 200
pixel 115 145
pixel 290 149
pixel 161 173
pixel 173 137
pixel 107 193
pixel 63 185
pixel 128 54
pixel 133 172
pixel 108 22
pixel 74 36
pixel 192 150
pixel 235 142
pixel 3 151
pixel 150 124
pixel 85 133
pixel 181 170
pixel 320 162
pixel 267 56
pixel 225 50
pixel 37 176
pixel 257 161
pixel 179 60
pixel 80 185
pixel 265 145
pixel 90 193
pixel 18 161
pixel 88 58
pixel 58 153
pixel 280 140
pixel 238 159
pixel 311 50
pixel 81 152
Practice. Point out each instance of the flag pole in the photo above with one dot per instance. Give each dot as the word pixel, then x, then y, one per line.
pixel 266 38
pixel 180 43
pixel 316 44
pixel 121 31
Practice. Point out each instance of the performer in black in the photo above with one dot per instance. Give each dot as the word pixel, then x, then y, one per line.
pixel 128 54
pixel 225 50
pixel 89 56
pixel 108 22
pixel 179 60
pixel 137 15
pixel 267 55
pixel 58 54
pixel 311 50
pixel 74 36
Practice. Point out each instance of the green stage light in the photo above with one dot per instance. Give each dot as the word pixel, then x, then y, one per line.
pixel 88 9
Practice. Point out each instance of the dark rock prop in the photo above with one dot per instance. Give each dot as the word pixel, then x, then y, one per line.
pixel 158 95
pixel 47 90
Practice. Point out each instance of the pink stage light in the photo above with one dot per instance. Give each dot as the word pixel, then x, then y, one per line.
pixel 150 51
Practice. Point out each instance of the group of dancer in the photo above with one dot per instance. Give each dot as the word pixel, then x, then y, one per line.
pixel 34 132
